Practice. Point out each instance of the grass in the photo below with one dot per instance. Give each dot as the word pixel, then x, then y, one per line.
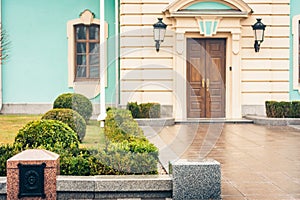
pixel 10 125
pixel 94 138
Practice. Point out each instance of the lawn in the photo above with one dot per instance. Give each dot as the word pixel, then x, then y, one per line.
pixel 10 125
pixel 94 138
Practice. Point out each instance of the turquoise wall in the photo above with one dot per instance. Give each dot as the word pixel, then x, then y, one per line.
pixel 37 68
pixel 208 5
pixel 295 10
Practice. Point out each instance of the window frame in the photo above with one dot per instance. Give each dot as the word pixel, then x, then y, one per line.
pixel 87 53
pixel 86 18
pixel 296 55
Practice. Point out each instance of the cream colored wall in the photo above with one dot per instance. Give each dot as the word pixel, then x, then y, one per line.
pixel 265 75
pixel 146 76
pixel 150 76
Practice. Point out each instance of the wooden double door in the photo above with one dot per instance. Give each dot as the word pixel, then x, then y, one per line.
pixel 206 78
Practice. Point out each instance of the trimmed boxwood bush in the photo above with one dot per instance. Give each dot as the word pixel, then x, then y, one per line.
pixel 127 150
pixel 58 137
pixel 125 160
pixel 127 153
pixel 295 110
pixel 283 109
pixel 144 110
pixel 81 162
pixel 70 117
pixel 77 102
pixel 6 151
pixel 134 109
pixel 51 134
pixel 150 110
pixel 119 125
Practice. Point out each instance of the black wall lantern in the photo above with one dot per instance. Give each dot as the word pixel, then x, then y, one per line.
pixel 159 33
pixel 259 31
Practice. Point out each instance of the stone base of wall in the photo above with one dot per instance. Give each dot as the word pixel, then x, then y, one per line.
pixel 190 180
pixel 25 108
pixel 36 109
pixel 3 188
pixel 258 110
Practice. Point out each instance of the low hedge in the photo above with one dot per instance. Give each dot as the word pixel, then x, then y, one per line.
pixel 127 151
pixel 282 109
pixel 82 162
pixel 70 117
pixel 134 108
pixel 121 158
pixel 77 102
pixel 144 110
pixel 119 126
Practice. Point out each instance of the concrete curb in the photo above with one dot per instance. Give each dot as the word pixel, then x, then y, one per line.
pixel 263 120
pixel 155 121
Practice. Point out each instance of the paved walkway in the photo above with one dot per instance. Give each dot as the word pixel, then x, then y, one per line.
pixel 257 162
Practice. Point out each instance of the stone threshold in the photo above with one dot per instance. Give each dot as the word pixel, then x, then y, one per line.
pixel 263 120
pixel 215 120
pixel 155 121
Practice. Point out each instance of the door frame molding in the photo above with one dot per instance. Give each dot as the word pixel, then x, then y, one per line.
pixel 204 40
pixel 233 79
pixel 184 23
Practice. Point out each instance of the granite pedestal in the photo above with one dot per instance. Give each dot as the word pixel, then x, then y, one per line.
pixel 24 175
pixel 196 180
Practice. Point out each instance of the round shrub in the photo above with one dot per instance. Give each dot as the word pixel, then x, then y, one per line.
pixel 52 135
pixel 6 151
pixel 119 125
pixel 69 117
pixel 77 102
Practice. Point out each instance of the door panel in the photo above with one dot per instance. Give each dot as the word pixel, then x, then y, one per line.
pixel 206 78
pixel 195 88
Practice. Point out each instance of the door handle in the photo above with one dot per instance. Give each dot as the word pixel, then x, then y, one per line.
pixel 207 85
pixel 203 83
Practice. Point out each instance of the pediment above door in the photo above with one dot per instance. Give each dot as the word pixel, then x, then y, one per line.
pixel 222 8
pixel 208 16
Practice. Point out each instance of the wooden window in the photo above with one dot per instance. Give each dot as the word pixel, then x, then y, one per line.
pixel 87 60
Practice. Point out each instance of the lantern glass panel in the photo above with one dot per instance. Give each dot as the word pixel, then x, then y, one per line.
pixel 259 35
pixel 162 34
pixel 156 32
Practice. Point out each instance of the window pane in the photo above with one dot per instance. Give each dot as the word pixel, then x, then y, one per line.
pixel 94 59
pixel 81 47
pixel 81 60
pixel 94 48
pixel 94 32
pixel 94 72
pixel 81 72
pixel 80 32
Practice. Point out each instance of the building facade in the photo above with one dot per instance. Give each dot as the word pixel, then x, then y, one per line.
pixel 205 68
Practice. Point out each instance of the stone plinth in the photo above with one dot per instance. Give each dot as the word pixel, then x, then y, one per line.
pixel 196 180
pixel 32 159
